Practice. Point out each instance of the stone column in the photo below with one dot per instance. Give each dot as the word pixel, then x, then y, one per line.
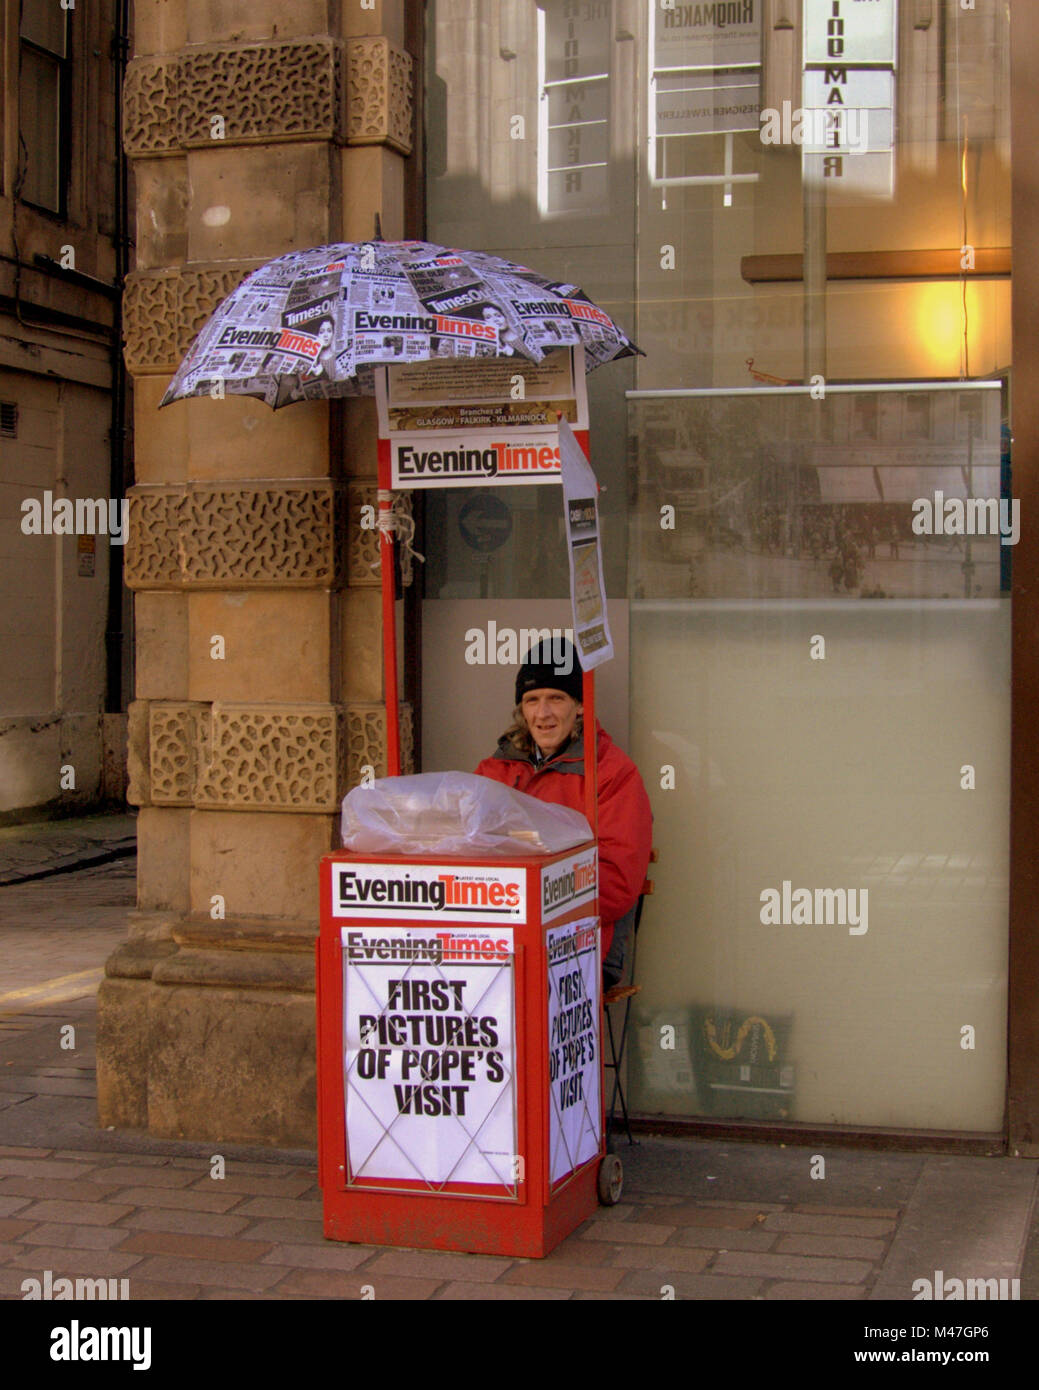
pixel 256 128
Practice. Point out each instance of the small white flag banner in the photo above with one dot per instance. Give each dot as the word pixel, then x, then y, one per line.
pixel 587 590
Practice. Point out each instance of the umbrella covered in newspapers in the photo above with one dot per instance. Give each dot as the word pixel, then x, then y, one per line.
pixel 314 324
pixel 354 319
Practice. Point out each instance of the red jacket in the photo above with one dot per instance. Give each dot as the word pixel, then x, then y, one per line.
pixel 625 820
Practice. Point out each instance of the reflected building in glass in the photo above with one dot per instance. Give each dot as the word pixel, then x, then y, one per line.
pixel 801 210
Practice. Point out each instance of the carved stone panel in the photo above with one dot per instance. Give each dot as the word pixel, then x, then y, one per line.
pixel 153 544
pixel 236 536
pixel 234 94
pixel 199 293
pixel 378 94
pixel 164 309
pixel 281 535
pixel 150 321
pixel 150 106
pixel 257 92
pixel 274 758
pixel 366 741
pixel 178 735
pixel 138 792
pixel 363 541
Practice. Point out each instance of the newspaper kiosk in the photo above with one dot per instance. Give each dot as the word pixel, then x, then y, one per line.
pixel 459 1069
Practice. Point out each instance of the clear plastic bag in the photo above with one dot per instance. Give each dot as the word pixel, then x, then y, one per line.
pixel 455 813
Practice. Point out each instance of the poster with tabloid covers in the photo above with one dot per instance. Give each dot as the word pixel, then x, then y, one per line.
pixel 314 323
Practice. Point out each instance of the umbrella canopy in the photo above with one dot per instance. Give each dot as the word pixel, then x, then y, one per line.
pixel 314 324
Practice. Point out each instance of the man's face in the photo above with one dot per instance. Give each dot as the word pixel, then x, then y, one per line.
pixel 551 716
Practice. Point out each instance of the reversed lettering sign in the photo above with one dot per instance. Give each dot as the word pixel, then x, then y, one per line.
pixel 724 34
pixel 850 31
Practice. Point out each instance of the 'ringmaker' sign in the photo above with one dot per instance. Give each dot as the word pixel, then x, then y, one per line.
pixel 429 1055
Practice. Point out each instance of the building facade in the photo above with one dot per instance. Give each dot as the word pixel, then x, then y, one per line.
pixel 803 215
pixel 63 416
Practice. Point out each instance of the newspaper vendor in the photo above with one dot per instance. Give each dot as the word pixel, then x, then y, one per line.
pixel 542 753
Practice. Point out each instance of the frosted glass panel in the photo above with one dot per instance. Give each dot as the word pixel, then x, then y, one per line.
pixel 838 773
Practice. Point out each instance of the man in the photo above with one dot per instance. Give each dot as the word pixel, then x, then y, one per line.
pixel 543 754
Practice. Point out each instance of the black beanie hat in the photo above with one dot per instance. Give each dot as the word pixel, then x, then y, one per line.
pixel 540 671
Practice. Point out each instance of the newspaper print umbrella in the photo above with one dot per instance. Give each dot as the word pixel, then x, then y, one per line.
pixel 313 324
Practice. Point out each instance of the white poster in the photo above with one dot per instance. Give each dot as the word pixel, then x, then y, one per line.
pixel 587 587
pixel 429 1056
pixel 574 1067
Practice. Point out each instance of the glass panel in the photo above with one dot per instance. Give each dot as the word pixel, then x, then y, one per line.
pixel 39 115
pixel 806 226
pixel 738 496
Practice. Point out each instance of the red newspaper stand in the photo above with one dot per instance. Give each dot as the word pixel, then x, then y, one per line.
pixel 459 1061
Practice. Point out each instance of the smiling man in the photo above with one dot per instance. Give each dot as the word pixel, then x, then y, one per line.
pixel 542 753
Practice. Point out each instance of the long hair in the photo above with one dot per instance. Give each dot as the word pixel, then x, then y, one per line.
pixel 519 736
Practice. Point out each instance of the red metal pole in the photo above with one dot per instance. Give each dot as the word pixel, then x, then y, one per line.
pixel 591 742
pixel 389 615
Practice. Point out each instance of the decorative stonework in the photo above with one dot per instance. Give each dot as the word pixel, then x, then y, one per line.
pixel 272 758
pixel 246 535
pixel 164 309
pixel 150 106
pixel 150 321
pixel 138 792
pixel 152 547
pixel 235 94
pixel 366 740
pixel 378 94
pixel 205 537
pixel 260 93
pixel 363 542
pixel 177 738
pixel 199 293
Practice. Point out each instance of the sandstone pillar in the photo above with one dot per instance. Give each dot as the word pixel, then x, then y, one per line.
pixel 256 128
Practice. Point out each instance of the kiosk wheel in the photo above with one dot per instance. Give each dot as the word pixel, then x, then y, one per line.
pixel 611 1180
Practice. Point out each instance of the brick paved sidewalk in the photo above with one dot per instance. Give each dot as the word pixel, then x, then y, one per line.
pixel 41 848
pixel 699 1219
pixel 175 1232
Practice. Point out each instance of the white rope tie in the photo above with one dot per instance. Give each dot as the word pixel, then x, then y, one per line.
pixel 397 521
